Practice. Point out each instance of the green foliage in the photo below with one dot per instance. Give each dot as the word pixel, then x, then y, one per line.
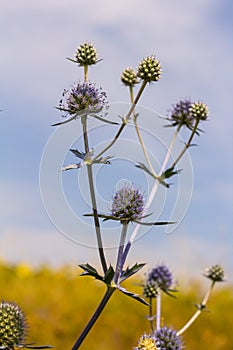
pixel 59 303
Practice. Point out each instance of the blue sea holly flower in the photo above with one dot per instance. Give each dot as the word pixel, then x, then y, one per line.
pixel 167 339
pixel 180 114
pixel 127 203
pixel 147 342
pixel 162 276
pixel 12 326
pixel 83 99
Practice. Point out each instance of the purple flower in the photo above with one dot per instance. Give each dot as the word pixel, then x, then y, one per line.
pixel 168 339
pixel 162 276
pixel 127 203
pixel 180 114
pixel 83 98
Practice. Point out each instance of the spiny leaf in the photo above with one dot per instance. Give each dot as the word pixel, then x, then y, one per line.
pixel 131 271
pixel 132 295
pixel 109 275
pixel 90 271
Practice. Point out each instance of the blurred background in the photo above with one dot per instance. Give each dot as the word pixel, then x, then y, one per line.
pixel 193 41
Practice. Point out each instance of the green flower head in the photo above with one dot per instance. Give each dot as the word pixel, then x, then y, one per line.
pixel 129 77
pixel 149 69
pixel 215 273
pixel 12 326
pixel 86 54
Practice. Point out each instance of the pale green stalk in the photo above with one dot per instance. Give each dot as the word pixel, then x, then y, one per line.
pixel 198 312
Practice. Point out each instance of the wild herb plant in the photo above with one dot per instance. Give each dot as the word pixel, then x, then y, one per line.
pixel 128 205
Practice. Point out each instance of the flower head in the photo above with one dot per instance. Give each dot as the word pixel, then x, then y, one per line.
pixel 168 339
pixel 215 273
pixel 127 204
pixel 150 289
pixel 86 54
pixel 83 98
pixel 146 342
pixel 199 110
pixel 149 69
pixel 180 114
pixel 12 326
pixel 162 276
pixel 129 77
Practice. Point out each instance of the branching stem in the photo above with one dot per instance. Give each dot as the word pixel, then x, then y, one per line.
pixel 198 312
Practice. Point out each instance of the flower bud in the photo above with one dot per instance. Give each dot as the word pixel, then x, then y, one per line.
pixel 129 77
pixel 150 290
pixel 149 69
pixel 86 54
pixel 12 326
pixel 199 111
pixel 215 273
pixel 127 203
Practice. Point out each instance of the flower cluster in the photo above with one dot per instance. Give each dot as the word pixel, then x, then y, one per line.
pixel 149 69
pixel 84 98
pixel 86 54
pixel 185 113
pixel 12 326
pixel 215 273
pixel 129 77
pixel 167 339
pixel 127 203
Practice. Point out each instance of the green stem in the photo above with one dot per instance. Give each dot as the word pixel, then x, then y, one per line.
pixel 93 198
pixel 187 145
pixel 85 73
pixel 120 252
pixel 94 318
pixel 139 134
pixel 198 312
pixel 124 122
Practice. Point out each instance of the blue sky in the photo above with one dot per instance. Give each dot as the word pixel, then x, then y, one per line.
pixel 193 41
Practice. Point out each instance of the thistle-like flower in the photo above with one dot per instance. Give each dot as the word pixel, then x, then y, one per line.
pixel 129 77
pixel 167 339
pixel 12 326
pixel 149 69
pixel 86 55
pixel 147 342
pixel 150 289
pixel 127 204
pixel 215 273
pixel 199 110
pixel 162 277
pixel 83 98
pixel 180 114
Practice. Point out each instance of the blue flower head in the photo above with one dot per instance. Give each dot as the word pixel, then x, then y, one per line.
pixel 127 203
pixel 83 98
pixel 167 339
pixel 162 277
pixel 180 114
